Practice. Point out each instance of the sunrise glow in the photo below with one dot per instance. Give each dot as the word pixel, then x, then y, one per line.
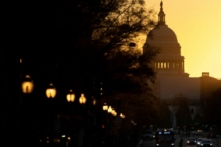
pixel 197 27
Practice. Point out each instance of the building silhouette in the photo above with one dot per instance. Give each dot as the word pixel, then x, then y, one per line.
pixel 172 82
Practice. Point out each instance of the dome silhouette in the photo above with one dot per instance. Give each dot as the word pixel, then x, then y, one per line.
pixel 162 33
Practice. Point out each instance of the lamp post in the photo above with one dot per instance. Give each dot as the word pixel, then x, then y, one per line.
pixel 26 88
pixel 70 97
pixel 82 101
pixel 50 94
pixel 109 110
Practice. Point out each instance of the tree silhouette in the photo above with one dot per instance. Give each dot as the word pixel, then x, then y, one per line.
pixel 76 42
pixel 83 40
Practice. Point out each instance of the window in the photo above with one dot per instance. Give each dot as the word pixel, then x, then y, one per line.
pixel 165 65
pixel 161 65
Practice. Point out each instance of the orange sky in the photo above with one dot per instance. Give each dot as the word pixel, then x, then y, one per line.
pixel 197 24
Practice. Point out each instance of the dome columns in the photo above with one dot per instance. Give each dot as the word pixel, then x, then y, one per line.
pixel 177 65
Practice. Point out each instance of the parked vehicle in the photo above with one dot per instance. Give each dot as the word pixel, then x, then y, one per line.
pixel 190 141
pixel 198 141
pixel 148 136
pixel 206 143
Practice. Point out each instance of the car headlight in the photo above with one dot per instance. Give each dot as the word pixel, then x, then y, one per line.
pixel 201 144
pixel 188 141
pixel 211 144
pixel 63 136
pixel 172 143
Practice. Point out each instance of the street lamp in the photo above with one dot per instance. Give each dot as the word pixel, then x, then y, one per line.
pixel 24 119
pixel 113 112
pixel 27 85
pixel 94 101
pixel 50 94
pixel 51 91
pixel 122 115
pixel 82 99
pixel 109 110
pixel 70 96
pixel 105 107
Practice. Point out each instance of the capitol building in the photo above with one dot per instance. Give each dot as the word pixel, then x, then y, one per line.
pixel 172 82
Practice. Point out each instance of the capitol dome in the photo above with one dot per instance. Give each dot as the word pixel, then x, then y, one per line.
pixel 162 36
pixel 169 60
pixel 162 33
pixel 171 80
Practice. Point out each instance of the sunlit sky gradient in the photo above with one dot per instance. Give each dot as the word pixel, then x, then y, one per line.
pixel 197 24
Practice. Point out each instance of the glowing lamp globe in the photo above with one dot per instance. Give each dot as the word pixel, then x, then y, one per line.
pixel 51 91
pixel 94 102
pixel 70 96
pixel 27 85
pixel 105 107
pixel 82 99
pixel 109 110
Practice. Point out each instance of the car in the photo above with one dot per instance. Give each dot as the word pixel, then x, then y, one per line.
pixel 148 136
pixel 198 141
pixel 206 143
pixel 190 141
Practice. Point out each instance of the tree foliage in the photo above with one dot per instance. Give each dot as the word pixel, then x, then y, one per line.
pixel 79 35
pixel 85 40
pixel 79 41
